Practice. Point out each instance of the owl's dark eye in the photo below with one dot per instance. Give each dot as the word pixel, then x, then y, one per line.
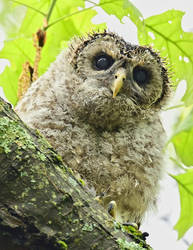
pixel 103 62
pixel 141 75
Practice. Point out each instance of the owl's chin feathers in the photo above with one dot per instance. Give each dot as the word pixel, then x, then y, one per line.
pixel 102 111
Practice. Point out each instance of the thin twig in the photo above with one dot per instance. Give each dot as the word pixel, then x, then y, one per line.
pixel 90 1
pixel 67 16
pixel 50 10
pixel 79 11
pixel 174 107
pixel 28 6
pixel 178 163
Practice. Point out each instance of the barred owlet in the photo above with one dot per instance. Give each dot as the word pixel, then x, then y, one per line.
pixel 98 105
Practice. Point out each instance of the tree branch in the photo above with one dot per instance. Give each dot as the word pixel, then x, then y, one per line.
pixel 42 206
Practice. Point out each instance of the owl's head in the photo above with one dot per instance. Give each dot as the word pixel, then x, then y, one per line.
pixel 115 81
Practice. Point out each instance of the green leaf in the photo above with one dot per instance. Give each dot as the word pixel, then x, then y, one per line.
pixel 33 20
pixel 78 24
pixel 185 184
pixel 134 14
pixel 183 137
pixel 29 5
pixel 17 52
pixel 183 143
pixel 190 247
pixel 7 82
pixel 185 121
pixel 20 50
pixel 11 17
pixel 165 33
pixel 121 8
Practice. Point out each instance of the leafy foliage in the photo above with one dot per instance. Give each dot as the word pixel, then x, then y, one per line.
pixel 165 33
pixel 186 195
pixel 183 137
pixel 183 143
pixel 121 8
pixel 191 247
pixel 62 21
pixel 19 49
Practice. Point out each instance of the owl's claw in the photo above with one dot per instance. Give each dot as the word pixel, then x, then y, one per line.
pixel 112 206
pixel 112 209
pixel 132 229
pixel 144 235
pixel 99 197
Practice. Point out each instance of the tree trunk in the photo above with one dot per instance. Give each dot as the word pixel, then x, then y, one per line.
pixel 42 205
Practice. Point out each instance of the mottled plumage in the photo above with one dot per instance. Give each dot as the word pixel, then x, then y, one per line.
pixel 114 143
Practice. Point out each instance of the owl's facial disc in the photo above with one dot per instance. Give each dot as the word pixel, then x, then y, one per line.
pixel 114 74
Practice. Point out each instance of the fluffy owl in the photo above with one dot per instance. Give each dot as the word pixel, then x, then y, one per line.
pixel 98 105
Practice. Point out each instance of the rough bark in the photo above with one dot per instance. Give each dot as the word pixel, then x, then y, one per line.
pixel 42 205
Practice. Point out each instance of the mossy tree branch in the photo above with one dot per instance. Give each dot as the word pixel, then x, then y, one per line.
pixel 42 206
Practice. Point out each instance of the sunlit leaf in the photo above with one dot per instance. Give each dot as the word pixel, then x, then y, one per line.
pixel 73 24
pixel 78 24
pixel 185 184
pixel 183 137
pixel 165 33
pixel 9 86
pixel 122 8
pixel 185 121
pixel 11 17
pixel 183 143
pixel 33 20
pixel 20 49
pixel 190 247
pixel 17 52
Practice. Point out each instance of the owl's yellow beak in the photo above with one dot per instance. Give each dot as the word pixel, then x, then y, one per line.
pixel 120 76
